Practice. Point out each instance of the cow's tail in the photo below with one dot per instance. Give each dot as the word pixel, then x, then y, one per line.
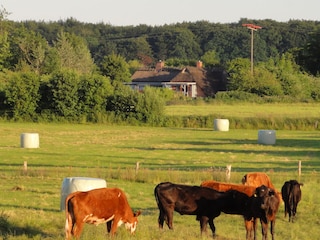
pixel 69 219
pixel 156 195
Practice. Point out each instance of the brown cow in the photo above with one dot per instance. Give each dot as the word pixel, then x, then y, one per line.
pixel 223 187
pixel 257 179
pixel 291 195
pixel 103 205
pixel 250 223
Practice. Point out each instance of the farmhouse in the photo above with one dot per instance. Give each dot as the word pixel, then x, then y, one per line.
pixel 191 81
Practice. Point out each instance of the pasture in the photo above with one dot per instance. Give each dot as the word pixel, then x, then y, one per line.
pixel 30 199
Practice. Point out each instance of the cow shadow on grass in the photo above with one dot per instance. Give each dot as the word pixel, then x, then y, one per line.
pixel 8 229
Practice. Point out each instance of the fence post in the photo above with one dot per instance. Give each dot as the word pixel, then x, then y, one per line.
pixel 299 168
pixel 228 172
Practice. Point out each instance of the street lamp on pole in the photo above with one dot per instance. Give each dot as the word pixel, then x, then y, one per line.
pixel 252 27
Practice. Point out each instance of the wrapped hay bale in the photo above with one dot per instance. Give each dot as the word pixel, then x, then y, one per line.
pixel 267 137
pixel 29 140
pixel 221 124
pixel 73 184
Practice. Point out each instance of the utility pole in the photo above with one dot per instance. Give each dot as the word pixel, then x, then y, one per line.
pixel 252 27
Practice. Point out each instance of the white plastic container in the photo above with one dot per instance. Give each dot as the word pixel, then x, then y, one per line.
pixel 267 137
pixel 221 125
pixel 29 140
pixel 73 184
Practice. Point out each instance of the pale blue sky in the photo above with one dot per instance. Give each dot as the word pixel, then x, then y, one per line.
pixel 135 12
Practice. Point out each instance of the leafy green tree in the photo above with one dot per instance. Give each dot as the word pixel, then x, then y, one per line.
pixel 116 68
pixel 63 98
pixel 210 59
pixel 93 92
pixel 4 42
pixel 122 102
pixel 240 78
pixel 309 56
pixel 150 106
pixel 22 94
pixel 32 47
pixel 73 53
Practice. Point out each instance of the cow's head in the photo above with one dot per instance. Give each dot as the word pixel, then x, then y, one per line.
pixel 132 224
pixel 268 197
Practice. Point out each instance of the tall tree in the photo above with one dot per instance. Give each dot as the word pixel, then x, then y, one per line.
pixel 4 42
pixel 33 49
pixel 22 94
pixel 116 68
pixel 73 53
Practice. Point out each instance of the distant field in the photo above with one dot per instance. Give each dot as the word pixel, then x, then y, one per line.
pixel 294 110
pixel 30 200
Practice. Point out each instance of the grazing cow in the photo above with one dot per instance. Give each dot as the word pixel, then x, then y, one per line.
pixel 291 195
pixel 250 223
pixel 207 203
pixel 103 205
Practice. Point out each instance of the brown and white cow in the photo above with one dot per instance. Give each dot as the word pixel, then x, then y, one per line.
pixel 250 223
pixel 103 205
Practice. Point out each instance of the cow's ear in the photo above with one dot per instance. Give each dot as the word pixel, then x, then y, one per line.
pixel 137 213
pixel 271 192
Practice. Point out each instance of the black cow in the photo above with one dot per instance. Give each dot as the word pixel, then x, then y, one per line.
pixel 291 195
pixel 207 204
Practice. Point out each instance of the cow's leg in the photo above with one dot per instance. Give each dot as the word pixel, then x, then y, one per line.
pixel 203 223
pixel 294 211
pixel 254 226
pixel 77 229
pixel 212 227
pixel 109 224
pixel 285 209
pixel 272 228
pixel 169 218
pixel 249 228
pixel 161 219
pixel 264 228
pixel 114 225
pixel 290 214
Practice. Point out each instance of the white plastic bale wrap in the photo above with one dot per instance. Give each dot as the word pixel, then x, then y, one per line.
pixel 29 140
pixel 73 184
pixel 267 137
pixel 221 125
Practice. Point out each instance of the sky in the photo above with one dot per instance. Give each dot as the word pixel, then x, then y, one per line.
pixel 156 13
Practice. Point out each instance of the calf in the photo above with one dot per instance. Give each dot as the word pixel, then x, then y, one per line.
pixel 103 205
pixel 207 203
pixel 250 223
pixel 291 195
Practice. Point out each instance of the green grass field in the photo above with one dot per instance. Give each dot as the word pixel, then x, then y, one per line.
pixel 30 200
pixel 292 110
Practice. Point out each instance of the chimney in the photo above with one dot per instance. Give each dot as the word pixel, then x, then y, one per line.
pixel 159 66
pixel 199 64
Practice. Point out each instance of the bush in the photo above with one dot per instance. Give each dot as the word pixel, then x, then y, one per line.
pixel 22 95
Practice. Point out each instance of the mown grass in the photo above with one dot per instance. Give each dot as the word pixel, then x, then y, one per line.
pixel 245 110
pixel 30 200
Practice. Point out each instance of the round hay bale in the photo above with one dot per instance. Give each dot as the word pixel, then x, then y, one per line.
pixel 221 124
pixel 29 140
pixel 73 184
pixel 267 137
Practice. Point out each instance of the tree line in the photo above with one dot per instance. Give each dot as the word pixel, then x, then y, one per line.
pixel 72 70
